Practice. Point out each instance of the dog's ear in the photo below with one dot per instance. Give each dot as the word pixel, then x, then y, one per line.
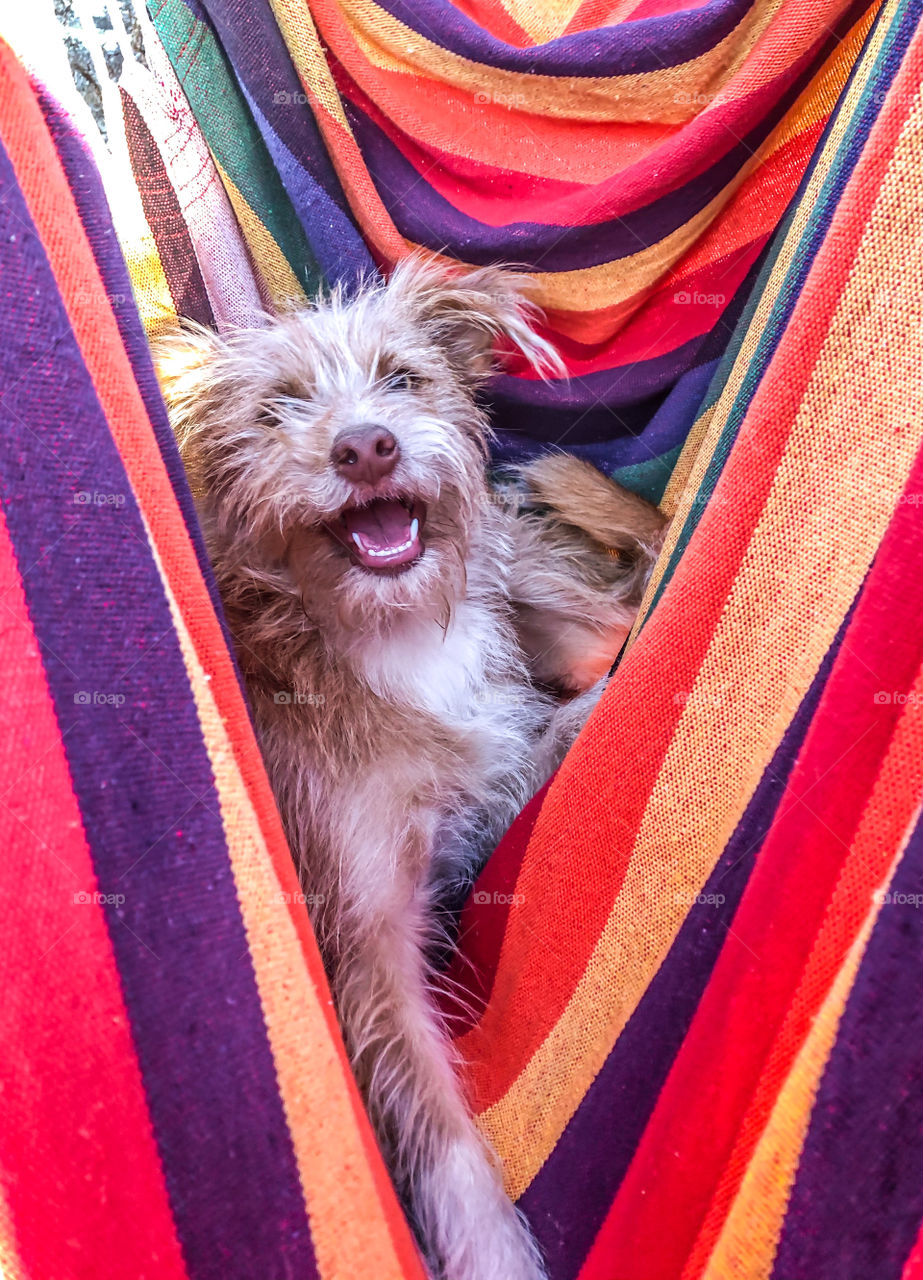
pixel 185 362
pixel 469 312
pixel 189 368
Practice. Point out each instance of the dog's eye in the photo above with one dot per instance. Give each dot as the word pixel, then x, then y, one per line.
pixel 402 380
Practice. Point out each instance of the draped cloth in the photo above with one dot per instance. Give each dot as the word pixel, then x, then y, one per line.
pixel 694 1024
pixel 635 158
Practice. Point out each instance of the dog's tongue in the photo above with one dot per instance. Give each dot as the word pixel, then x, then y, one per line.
pixel 383 534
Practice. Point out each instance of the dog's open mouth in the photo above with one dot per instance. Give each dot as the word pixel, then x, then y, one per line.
pixel 382 535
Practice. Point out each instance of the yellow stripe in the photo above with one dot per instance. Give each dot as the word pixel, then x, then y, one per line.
pixel 819 531
pixel 149 286
pixel 669 96
pixel 294 20
pixel 682 491
pixel 749 1238
pixel 348 1227
pixel 11 1265
pixel 269 261
pixel 543 20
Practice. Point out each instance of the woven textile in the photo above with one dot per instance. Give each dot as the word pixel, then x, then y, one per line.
pixel 695 1024
pixel 635 157
pixel 174 1099
pixel 698 1004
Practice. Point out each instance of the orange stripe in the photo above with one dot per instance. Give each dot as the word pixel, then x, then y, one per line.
pixel 82 1179
pixel 52 207
pixel 881 829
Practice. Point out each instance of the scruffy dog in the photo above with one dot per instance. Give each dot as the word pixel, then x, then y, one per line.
pixel 372 585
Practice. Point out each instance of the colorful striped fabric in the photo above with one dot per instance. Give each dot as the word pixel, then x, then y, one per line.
pixel 174 1098
pixel 636 157
pixel 695 1015
pixel 698 1030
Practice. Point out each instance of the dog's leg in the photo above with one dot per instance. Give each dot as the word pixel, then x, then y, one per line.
pixel 405 1063
pixel 566 722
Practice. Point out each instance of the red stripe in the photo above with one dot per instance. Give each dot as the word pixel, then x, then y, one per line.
pixel 699 1113
pixel 483 922
pixel 683 153
pixel 679 1161
pixel 81 1171
pixel 687 306
pixel 495 19
pixel 913 1267
pixel 603 787
pixel 51 204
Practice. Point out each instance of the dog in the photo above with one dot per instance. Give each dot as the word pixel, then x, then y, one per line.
pixel 373 585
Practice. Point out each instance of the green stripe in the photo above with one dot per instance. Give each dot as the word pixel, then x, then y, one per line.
pixel 649 478
pixel 231 132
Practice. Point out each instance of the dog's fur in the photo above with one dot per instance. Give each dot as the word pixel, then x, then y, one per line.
pixel 396 711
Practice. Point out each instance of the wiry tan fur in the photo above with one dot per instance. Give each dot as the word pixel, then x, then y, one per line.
pixel 396 713
pixel 585 550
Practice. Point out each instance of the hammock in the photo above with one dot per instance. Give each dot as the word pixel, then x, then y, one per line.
pixel 695 1027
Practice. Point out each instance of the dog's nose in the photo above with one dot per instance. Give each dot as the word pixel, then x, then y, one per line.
pixel 365 454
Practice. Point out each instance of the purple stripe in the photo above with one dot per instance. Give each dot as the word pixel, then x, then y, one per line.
pixel 857 1203
pixel 143 780
pixel 650 44
pixel 575 412
pixel 89 197
pixel 613 389
pixel 254 45
pixel 426 217
pixel 569 1199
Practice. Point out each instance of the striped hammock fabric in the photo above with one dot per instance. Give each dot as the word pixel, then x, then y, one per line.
pixel 695 1018
pixel 635 159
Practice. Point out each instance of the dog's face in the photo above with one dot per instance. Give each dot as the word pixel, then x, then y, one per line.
pixel 343 444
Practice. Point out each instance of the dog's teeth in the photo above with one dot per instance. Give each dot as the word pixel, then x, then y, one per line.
pixel 357 540
pixel 414 529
